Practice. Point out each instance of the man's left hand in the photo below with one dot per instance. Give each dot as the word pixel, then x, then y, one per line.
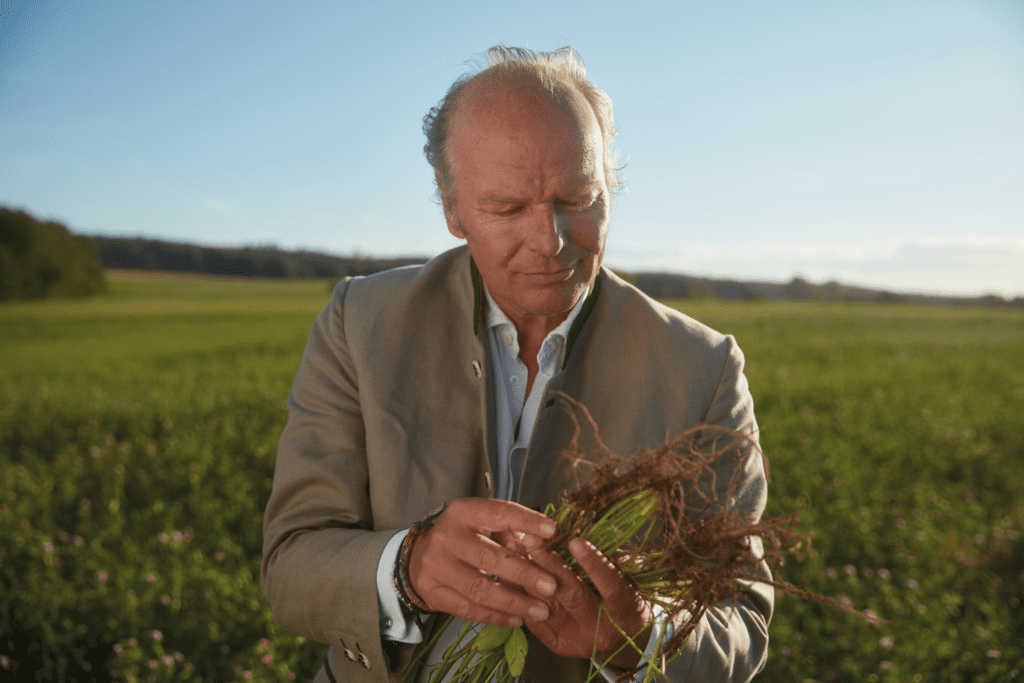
pixel 575 609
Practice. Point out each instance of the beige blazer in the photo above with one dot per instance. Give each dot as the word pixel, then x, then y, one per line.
pixel 392 414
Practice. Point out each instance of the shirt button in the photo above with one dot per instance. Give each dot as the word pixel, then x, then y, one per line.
pixel 386 623
pixel 514 380
pixel 508 339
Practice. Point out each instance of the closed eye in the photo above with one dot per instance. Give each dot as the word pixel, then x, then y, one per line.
pixel 579 205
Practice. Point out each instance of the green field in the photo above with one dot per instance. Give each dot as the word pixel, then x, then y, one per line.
pixel 137 441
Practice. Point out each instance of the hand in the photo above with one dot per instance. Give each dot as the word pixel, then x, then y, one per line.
pixel 473 538
pixel 569 631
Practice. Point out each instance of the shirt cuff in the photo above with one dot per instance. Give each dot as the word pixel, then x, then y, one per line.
pixel 393 624
pixel 659 626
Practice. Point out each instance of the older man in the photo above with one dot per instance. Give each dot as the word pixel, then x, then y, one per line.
pixel 434 384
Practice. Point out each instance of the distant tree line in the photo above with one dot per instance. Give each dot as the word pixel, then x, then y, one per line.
pixel 145 254
pixel 42 258
pixel 39 259
pixel 678 286
pixel 268 261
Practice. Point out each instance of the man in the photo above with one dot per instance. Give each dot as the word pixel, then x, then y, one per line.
pixel 435 384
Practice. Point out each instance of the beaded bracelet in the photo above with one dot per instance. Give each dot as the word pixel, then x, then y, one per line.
pixel 407 607
pixel 403 584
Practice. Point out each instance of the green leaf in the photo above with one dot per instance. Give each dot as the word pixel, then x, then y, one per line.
pixel 515 651
pixel 491 637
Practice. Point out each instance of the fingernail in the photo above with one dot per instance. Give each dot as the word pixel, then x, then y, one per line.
pixel 539 613
pixel 548 528
pixel 577 546
pixel 546 586
pixel 515 622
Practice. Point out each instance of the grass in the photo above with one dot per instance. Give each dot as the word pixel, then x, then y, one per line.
pixel 137 440
pixel 897 429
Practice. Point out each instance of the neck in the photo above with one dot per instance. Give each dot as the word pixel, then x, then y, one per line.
pixel 531 332
pixel 533 329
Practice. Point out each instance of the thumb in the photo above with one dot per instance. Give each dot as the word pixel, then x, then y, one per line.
pixel 614 589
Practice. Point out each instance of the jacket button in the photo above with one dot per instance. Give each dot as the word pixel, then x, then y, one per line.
pixel 477 371
pixel 364 661
pixel 349 655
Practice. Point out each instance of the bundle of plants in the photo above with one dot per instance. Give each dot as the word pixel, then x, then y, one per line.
pixel 680 534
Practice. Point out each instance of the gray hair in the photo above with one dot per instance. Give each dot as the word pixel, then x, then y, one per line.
pixel 559 72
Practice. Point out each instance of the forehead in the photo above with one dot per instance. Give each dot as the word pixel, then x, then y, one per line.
pixel 510 133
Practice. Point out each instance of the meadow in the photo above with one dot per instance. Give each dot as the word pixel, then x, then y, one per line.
pixel 138 432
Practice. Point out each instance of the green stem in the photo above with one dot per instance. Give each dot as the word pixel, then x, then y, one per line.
pixel 410 671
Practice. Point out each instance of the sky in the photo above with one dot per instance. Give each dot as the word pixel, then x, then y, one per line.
pixel 873 143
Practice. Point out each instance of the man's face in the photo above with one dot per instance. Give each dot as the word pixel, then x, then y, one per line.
pixel 531 198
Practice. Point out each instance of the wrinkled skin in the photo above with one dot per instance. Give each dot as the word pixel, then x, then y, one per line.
pixel 452 565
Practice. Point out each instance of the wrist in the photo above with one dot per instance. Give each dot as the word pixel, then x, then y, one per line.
pixel 410 601
pixel 400 579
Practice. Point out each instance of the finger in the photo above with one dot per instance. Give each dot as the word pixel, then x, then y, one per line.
pixel 490 557
pixel 572 594
pixel 451 601
pixel 500 515
pixel 456 541
pixel 552 563
pixel 519 542
pixel 606 577
pixel 465 567
pixel 471 589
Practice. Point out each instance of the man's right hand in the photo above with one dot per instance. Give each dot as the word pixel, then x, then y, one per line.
pixel 473 538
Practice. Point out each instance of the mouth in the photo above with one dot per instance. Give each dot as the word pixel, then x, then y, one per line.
pixel 553 276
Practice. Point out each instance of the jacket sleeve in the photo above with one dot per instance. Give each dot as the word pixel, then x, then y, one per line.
pixel 320 553
pixel 731 642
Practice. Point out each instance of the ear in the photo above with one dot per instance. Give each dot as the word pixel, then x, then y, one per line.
pixel 448 206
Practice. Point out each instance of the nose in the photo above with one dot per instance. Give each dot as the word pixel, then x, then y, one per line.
pixel 548 230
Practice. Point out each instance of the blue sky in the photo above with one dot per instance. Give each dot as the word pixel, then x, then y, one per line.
pixel 877 143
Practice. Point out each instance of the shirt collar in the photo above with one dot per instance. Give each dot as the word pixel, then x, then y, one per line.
pixel 580 319
pixel 494 316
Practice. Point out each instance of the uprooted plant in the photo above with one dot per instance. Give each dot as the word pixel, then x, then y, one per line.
pixel 674 522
